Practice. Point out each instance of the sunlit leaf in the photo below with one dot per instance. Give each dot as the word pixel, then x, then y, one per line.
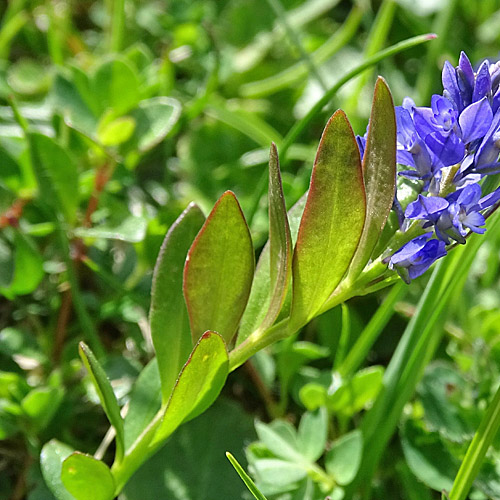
pixel 168 314
pixel 85 477
pixel 219 271
pixel 260 295
pixel 379 172
pixel 332 221
pixel 106 394
pixel 198 385
pixel 51 460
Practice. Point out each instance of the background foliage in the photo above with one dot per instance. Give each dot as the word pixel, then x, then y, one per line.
pixel 132 109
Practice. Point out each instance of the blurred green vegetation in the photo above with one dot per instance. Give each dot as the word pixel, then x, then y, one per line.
pixel 114 115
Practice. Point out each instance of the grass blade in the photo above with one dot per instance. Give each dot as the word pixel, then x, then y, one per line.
pixel 245 478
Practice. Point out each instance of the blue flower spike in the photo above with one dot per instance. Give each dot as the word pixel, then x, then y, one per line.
pixel 449 147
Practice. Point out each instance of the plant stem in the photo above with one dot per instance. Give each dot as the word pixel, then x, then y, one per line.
pixel 257 341
pixel 117 28
pixel 477 450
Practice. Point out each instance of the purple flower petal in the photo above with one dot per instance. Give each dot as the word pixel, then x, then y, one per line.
pixel 488 150
pixel 450 85
pixel 424 121
pixel 449 149
pixel 489 200
pixel 483 82
pixel 465 74
pixel 426 207
pixel 475 120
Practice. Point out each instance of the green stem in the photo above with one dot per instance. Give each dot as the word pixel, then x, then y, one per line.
pixel 345 334
pixel 257 341
pixel 390 51
pixel 138 453
pixel 117 24
pixel 476 452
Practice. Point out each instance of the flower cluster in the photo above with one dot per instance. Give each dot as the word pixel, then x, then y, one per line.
pixel 449 147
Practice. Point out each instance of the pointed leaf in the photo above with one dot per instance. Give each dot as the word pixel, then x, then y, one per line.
pixel 379 172
pixel 219 270
pixel 51 460
pixel 85 477
pixel 280 241
pixel 332 221
pixel 168 314
pixel 245 478
pixel 260 296
pixel 198 385
pixel 106 394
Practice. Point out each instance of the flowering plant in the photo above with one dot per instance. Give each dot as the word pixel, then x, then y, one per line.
pixel 211 309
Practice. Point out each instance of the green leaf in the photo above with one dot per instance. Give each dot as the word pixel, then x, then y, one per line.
pixel 313 433
pixel 219 270
pixel 245 478
pixel 379 173
pixel 198 385
pixel 428 457
pixel 69 102
pixel 440 383
pixel 280 242
pixel 280 438
pixel 293 355
pixel 313 395
pixel 154 119
pixel 260 295
pixel 28 267
pixel 28 77
pixel 115 131
pixel 332 221
pixel 106 395
pixel 168 314
pixel 279 473
pixel 116 86
pixel 51 460
pixel 344 458
pixel 41 403
pixel 10 173
pixel 354 394
pixel 57 175
pixel 145 401
pixel 85 477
